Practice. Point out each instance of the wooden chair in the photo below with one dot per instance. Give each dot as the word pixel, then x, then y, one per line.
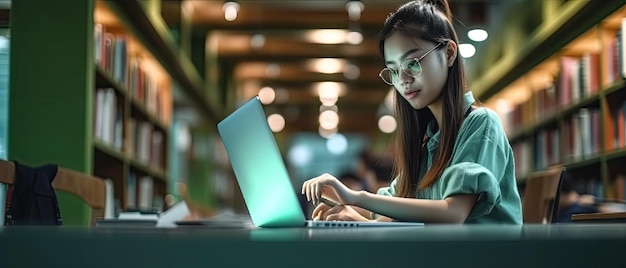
pixel 90 189
pixel 540 200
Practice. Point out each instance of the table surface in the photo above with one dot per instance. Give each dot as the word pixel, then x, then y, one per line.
pixel 600 216
pixel 462 245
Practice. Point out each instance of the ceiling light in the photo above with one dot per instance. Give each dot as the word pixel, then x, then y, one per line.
pixel 467 50
pixel 329 101
pixel 276 122
pixel 354 8
pixel 329 119
pixel 267 95
pixel 326 36
pixel 387 124
pixel 328 92
pixel 477 35
pixel 230 8
pixel 354 37
pixel 327 65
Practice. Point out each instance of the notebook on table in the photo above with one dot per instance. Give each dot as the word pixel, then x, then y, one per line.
pixel 262 175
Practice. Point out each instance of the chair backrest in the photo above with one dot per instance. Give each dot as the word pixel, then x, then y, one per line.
pixel 92 190
pixel 540 200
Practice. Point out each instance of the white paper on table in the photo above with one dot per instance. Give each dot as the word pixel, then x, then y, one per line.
pixel 172 215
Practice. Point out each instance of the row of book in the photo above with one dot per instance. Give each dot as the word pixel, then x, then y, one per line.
pixel 136 137
pixel 578 78
pixel 575 138
pixel 128 70
pixel 582 134
pixel 140 193
pixel 109 113
pixel 617 128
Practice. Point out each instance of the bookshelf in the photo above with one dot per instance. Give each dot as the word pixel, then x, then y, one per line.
pixel 110 114
pixel 563 98
pixel 132 114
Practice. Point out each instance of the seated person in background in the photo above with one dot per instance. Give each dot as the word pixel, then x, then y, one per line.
pixel 375 171
pixel 571 202
pixel 384 172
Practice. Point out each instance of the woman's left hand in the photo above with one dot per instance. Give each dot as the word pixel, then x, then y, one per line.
pixel 341 213
pixel 326 183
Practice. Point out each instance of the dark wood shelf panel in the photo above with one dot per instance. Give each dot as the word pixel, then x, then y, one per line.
pixel 161 45
pixel 584 163
pixel 615 154
pixel 156 173
pixel 110 150
pixel 141 166
pixel 591 101
pixel 104 80
pixel 615 93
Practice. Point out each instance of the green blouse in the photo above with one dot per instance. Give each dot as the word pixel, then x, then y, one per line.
pixel 482 163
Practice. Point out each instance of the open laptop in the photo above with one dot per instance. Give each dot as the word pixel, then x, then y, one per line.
pixel 261 173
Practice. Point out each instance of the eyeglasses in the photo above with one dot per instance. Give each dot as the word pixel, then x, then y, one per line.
pixel 410 66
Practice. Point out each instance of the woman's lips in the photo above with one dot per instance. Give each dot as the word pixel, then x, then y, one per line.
pixel 411 94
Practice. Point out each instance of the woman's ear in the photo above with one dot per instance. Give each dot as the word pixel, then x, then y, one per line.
pixel 451 52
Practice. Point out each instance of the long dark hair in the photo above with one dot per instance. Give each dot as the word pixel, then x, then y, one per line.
pixel 430 20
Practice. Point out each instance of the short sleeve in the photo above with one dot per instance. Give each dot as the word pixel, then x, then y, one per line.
pixel 472 178
pixel 389 190
pixel 478 163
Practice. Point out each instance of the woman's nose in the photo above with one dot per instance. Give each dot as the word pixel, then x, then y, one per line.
pixel 404 78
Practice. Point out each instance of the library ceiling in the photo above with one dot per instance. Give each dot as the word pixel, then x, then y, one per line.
pixel 303 57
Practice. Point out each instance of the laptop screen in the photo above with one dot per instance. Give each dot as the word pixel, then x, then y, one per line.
pixel 259 168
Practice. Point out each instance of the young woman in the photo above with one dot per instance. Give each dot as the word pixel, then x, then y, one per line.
pixel 455 164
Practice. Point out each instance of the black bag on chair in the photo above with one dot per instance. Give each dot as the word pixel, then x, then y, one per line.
pixel 33 200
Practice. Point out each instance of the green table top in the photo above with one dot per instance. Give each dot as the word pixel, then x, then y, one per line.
pixel 441 245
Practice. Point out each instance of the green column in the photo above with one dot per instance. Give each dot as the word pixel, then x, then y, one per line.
pixel 50 89
pixel 51 83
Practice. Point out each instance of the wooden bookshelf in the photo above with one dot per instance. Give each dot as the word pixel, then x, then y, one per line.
pixel 132 114
pixel 55 79
pixel 564 108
